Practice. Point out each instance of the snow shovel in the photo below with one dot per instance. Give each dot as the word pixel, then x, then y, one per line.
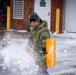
pixel 51 52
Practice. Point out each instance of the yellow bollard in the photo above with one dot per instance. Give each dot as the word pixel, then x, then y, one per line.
pixel 51 52
pixel 8 17
pixel 57 20
pixel 29 16
pixel 54 52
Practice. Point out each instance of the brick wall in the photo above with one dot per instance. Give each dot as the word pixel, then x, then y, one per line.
pixel 22 24
pixel 54 5
pixel 29 8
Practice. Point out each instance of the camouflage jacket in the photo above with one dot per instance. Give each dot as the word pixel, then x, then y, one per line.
pixel 39 34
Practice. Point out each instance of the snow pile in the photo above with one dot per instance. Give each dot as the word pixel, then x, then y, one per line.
pixel 17 57
pixel 65 34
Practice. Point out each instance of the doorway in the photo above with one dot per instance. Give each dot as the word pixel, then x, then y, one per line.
pixel 3 14
pixel 43 9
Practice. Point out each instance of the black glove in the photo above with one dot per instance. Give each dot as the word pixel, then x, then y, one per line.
pixel 44 50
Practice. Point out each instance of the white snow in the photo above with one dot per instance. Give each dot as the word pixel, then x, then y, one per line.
pixel 19 60
pixel 65 51
pixel 21 31
pixel 17 57
pixel 65 34
pixel 66 54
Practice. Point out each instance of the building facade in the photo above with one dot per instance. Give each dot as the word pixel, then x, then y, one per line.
pixel 46 9
pixel 27 8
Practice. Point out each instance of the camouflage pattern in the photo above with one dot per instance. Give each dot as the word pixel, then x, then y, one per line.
pixel 39 34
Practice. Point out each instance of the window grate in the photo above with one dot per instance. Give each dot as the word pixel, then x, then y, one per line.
pixel 18 9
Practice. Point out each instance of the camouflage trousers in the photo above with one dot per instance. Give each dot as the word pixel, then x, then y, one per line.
pixel 41 62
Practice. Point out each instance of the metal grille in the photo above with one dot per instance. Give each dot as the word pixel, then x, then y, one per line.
pixel 18 10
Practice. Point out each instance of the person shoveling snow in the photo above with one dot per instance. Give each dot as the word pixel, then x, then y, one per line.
pixel 39 33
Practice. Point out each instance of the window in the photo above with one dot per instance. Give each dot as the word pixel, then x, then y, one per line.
pixel 18 9
pixel 42 0
pixel 42 3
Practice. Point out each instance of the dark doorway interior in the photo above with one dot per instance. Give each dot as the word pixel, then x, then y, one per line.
pixel 3 13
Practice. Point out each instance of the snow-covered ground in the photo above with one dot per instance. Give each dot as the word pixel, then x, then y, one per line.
pixel 14 50
pixel 66 54
pixel 16 56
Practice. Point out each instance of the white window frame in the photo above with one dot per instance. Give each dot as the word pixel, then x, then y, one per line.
pixel 14 13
